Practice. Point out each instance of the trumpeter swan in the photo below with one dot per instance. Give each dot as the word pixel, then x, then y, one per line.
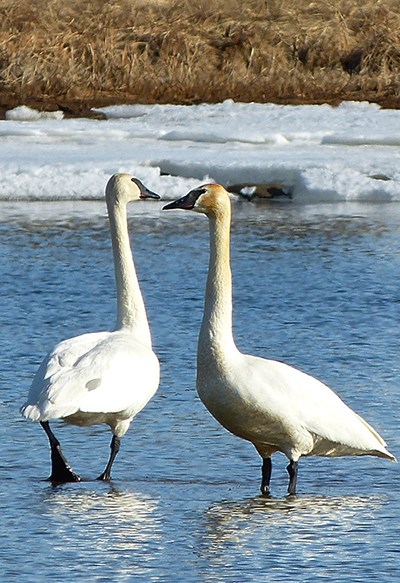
pixel 103 377
pixel 271 404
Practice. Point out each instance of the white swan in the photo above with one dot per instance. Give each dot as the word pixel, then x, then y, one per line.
pixel 271 404
pixel 103 377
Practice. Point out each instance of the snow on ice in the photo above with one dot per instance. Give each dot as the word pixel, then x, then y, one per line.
pixel 317 153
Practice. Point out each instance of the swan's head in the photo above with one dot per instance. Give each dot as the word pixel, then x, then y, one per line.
pixel 126 188
pixel 209 199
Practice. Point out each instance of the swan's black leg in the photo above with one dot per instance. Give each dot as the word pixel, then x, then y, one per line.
pixel 266 476
pixel 115 445
pixel 292 471
pixel 61 471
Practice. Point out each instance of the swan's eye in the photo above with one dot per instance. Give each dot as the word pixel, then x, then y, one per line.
pixel 194 195
pixel 198 192
pixel 188 201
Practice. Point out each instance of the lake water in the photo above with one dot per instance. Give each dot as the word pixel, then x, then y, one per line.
pixel 315 286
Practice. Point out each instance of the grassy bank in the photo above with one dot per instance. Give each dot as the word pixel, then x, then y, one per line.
pixel 76 54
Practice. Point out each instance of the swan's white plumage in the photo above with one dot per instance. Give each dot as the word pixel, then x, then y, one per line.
pixel 280 408
pixel 103 377
pixel 106 372
pixel 271 404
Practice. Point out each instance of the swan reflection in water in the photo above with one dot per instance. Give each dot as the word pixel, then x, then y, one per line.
pixel 276 535
pixel 105 528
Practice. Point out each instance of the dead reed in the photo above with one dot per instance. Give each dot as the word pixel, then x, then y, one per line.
pixel 83 53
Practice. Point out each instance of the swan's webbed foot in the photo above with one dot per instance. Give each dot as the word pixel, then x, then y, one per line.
pixel 292 469
pixel 105 477
pixel 115 445
pixel 61 471
pixel 266 476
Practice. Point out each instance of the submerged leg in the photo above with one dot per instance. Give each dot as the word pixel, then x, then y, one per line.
pixel 292 471
pixel 115 445
pixel 266 476
pixel 61 471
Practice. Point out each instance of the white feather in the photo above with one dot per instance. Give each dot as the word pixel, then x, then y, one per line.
pixel 106 372
pixel 280 408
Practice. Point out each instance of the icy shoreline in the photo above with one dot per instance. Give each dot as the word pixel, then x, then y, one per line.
pixel 319 153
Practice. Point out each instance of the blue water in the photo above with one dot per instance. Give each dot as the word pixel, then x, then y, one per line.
pixel 315 286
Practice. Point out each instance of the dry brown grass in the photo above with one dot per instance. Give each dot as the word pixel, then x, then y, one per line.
pixel 83 53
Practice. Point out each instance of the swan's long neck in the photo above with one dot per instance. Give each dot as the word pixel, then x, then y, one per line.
pixel 131 312
pixel 216 330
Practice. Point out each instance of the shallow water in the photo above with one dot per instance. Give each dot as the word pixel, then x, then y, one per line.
pixel 316 286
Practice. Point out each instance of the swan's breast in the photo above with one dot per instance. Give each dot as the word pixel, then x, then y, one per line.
pixel 247 405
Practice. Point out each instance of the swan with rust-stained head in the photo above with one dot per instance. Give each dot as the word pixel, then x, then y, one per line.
pixel 271 404
pixel 103 377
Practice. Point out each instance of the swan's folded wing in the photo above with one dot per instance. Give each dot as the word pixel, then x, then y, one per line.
pixel 46 398
pixel 102 372
pixel 128 378
pixel 320 410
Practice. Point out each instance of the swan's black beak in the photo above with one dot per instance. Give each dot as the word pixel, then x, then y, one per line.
pixel 186 202
pixel 144 191
pixel 180 203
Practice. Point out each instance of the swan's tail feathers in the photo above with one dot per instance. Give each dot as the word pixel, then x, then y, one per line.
pixel 382 451
pixel 386 454
pixel 30 412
